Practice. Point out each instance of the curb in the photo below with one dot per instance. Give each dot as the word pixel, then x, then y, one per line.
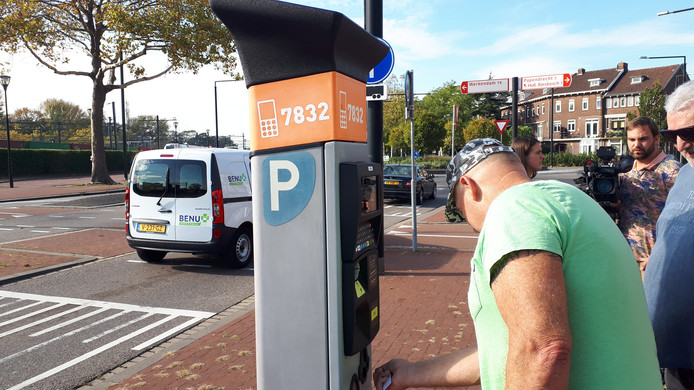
pixel 62 196
pixel 45 270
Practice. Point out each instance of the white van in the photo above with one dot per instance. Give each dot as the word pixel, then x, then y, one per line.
pixel 194 200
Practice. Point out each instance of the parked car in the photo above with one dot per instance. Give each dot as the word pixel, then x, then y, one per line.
pixel 193 200
pixel 397 183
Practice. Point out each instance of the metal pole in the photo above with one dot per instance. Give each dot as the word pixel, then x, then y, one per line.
pixel 157 131
pixel 413 189
pixel 551 130
pixel 9 147
pixel 216 122
pixel 122 100
pixel 514 105
pixel 115 132
pixel 373 23
pixel 453 132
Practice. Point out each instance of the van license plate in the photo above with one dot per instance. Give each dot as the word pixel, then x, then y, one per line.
pixel 147 227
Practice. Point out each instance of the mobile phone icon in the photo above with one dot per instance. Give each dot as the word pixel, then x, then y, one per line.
pixel 343 109
pixel 268 119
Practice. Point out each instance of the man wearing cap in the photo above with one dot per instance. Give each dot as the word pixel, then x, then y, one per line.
pixel 670 272
pixel 556 300
pixel 645 187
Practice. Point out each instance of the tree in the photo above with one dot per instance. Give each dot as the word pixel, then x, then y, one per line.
pixel 144 130
pixel 481 128
pixel 114 34
pixel 526 131
pixel 651 104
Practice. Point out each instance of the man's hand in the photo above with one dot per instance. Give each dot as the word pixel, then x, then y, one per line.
pixel 460 368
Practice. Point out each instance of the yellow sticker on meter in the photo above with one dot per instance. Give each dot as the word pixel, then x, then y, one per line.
pixel 359 289
pixel 374 313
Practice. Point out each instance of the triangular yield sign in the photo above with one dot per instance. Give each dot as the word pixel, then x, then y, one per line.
pixel 501 125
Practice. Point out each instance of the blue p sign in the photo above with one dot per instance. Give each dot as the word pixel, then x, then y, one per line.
pixel 288 181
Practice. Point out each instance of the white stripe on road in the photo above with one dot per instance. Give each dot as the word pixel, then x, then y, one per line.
pixel 41 321
pixel 6 229
pixel 39 231
pixel 33 313
pixel 115 328
pixel 66 323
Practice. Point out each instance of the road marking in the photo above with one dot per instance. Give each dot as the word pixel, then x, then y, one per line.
pixel 46 319
pixel 39 231
pixel 115 328
pixel 136 261
pixel 61 228
pixel 87 217
pixel 56 216
pixel 6 229
pixel 26 226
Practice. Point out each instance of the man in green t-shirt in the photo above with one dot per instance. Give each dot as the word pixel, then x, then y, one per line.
pixel 554 294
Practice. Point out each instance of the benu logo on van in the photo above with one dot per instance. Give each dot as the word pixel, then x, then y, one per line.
pixel 237 180
pixel 192 220
pixel 288 182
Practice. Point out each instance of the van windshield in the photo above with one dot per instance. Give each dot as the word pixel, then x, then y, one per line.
pixel 187 178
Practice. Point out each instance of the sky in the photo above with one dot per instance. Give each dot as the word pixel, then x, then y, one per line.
pixel 441 41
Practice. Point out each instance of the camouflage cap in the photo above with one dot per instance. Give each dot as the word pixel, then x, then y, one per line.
pixel 469 156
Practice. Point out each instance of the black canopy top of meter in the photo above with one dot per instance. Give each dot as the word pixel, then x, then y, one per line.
pixel 279 41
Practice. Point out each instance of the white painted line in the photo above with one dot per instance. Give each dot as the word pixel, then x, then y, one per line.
pixel 61 228
pixel 136 261
pixel 6 229
pixel 56 216
pixel 119 219
pixel 66 323
pixel 166 334
pixel 86 356
pixel 20 308
pixel 430 235
pixel 43 344
pixel 121 326
pixel 39 231
pixel 33 313
pixel 26 226
pixel 46 319
pixel 87 217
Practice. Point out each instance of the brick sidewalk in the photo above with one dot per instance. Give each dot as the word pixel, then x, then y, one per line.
pixel 423 305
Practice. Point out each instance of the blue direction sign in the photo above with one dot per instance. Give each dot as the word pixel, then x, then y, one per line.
pixel 416 154
pixel 381 71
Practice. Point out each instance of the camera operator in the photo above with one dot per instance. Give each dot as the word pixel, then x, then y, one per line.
pixel 644 189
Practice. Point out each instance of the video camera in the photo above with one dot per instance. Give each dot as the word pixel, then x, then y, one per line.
pixel 601 181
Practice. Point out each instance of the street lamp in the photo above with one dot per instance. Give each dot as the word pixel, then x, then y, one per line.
pixel 175 131
pixel 684 64
pixel 5 81
pixel 673 12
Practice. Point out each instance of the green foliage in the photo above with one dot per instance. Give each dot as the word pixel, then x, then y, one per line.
pixel 481 128
pixel 566 159
pixel 427 162
pixel 526 131
pixel 651 104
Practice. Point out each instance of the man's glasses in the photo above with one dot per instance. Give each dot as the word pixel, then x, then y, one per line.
pixel 686 133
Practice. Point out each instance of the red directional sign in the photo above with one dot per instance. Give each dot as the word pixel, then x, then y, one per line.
pixel 484 86
pixel 549 81
pixel 501 125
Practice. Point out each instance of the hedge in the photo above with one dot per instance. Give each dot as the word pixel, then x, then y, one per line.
pixel 561 159
pixel 31 162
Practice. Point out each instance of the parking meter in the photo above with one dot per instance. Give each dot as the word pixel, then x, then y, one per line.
pixel 315 199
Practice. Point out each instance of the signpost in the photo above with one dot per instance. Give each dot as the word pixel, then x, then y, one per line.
pixel 484 86
pixel 548 81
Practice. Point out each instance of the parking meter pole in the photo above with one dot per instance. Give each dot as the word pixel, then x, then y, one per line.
pixel 317 201
pixel 514 107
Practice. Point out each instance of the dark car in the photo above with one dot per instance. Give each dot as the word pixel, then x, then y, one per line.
pixel 397 182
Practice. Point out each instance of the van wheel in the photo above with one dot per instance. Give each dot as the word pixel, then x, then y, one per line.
pixel 240 252
pixel 150 256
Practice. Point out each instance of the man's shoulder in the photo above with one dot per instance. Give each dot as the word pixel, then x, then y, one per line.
pixel 668 164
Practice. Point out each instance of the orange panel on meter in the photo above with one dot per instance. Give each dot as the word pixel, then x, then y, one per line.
pixel 318 108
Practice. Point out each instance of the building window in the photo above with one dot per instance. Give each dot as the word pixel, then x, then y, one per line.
pixel 533 110
pixel 571 105
pixel 636 79
pixel 571 125
pixel 584 104
pixel 630 101
pixel 617 124
pixel 623 101
pixel 539 131
pixel 636 100
pixel 543 108
pixel 594 82
pixel 557 126
pixel 615 102
pixel 557 106
pixel 598 102
pixel 609 103
pixel 592 127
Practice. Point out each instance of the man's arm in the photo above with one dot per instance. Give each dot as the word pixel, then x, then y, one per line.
pixel 530 293
pixel 460 368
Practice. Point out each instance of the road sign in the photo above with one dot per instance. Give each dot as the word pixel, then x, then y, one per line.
pixel 484 86
pixel 501 125
pixel 381 71
pixel 416 154
pixel 548 81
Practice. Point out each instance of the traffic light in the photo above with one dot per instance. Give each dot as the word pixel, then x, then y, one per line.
pixel 409 95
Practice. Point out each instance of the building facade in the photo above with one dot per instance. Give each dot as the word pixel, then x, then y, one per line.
pixel 592 111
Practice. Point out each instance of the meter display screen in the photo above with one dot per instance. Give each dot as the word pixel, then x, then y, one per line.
pixel 369 194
